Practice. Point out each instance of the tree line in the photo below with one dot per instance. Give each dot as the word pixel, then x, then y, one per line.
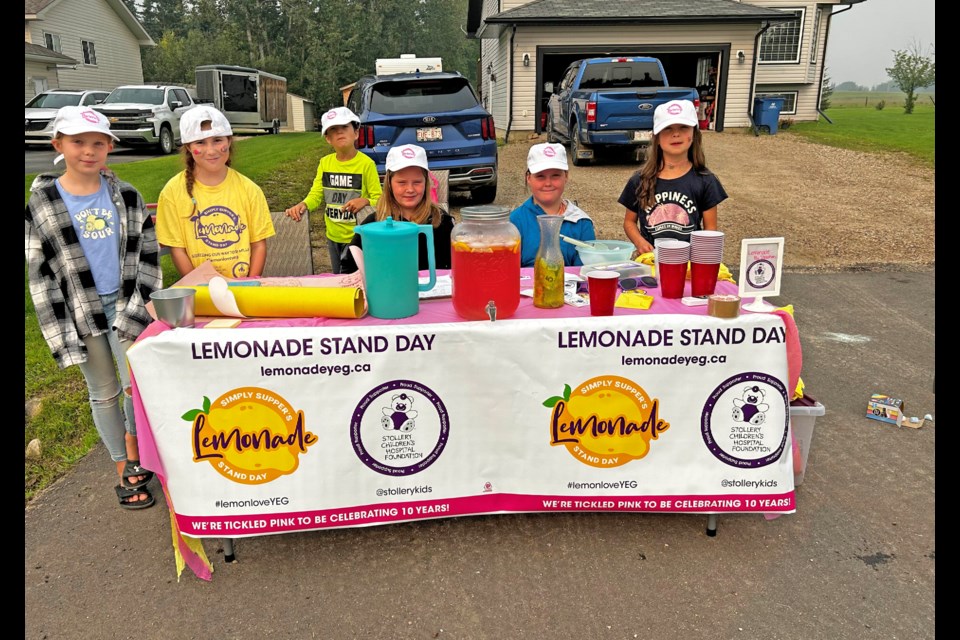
pixel 317 45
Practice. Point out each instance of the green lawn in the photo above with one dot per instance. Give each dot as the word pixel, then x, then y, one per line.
pixel 875 130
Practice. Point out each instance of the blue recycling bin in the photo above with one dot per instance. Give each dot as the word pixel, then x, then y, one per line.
pixel 766 113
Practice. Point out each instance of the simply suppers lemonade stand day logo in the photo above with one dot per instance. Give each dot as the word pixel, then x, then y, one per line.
pixel 607 421
pixel 249 435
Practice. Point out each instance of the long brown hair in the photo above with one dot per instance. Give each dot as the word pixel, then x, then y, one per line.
pixel 427 210
pixel 653 165
pixel 191 164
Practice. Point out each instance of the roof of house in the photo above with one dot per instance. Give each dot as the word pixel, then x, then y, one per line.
pixel 41 54
pixel 32 10
pixel 553 12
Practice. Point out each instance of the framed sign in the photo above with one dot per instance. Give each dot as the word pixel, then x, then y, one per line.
pixel 761 267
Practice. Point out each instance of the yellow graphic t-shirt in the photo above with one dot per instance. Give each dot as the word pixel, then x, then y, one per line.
pixel 227 218
pixel 337 183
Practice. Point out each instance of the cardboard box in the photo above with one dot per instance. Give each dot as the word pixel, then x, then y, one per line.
pixel 885 409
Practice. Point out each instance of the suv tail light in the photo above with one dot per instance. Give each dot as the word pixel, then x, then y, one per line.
pixel 365 137
pixel 696 103
pixel 591 112
pixel 487 129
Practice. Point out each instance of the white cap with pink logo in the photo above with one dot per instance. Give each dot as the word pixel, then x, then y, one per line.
pixel 674 112
pixel 337 116
pixel 406 155
pixel 546 155
pixel 74 120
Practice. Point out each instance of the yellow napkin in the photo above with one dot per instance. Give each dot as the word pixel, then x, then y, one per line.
pixel 647 259
pixel 634 300
pixel 798 392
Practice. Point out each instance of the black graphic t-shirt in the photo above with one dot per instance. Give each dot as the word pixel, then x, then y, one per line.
pixel 678 206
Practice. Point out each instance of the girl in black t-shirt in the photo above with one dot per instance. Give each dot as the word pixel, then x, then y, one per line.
pixel 673 193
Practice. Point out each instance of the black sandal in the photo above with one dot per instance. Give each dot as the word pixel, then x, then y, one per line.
pixel 132 469
pixel 125 496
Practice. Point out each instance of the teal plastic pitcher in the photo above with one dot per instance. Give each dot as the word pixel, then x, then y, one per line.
pixel 391 260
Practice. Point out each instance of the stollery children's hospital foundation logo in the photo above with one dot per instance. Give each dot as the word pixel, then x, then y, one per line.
pixel 249 435
pixel 744 421
pixel 606 421
pixel 399 428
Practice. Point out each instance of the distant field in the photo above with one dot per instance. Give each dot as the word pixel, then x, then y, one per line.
pixel 843 99
pixel 866 128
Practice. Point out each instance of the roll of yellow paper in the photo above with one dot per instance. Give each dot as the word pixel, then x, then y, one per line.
pixel 287 302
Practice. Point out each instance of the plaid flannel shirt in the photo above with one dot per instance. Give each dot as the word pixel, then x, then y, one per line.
pixel 61 282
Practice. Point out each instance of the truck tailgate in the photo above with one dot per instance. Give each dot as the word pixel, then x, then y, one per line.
pixel 633 109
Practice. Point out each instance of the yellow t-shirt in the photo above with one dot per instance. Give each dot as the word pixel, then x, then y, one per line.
pixel 227 218
pixel 338 182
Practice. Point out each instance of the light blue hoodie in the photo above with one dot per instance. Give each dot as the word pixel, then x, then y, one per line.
pixel 576 224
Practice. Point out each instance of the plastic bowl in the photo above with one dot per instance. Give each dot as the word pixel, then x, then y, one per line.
pixel 619 250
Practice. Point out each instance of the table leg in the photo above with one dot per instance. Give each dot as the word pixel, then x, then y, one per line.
pixel 228 555
pixel 712 525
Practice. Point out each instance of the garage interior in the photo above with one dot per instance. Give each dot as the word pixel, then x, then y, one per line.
pixel 686 66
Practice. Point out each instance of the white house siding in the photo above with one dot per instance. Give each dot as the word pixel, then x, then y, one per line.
pixel 32 70
pixel 116 48
pixel 737 37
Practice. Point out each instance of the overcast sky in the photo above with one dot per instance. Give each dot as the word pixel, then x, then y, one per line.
pixel 863 39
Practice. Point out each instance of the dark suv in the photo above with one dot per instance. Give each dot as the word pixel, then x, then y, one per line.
pixel 437 111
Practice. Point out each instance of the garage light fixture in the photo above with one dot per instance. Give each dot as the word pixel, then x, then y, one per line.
pixel 740 56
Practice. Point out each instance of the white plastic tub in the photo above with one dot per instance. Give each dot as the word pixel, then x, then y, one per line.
pixel 802 420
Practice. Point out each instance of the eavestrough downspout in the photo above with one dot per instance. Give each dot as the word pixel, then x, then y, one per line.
pixel 823 68
pixel 506 136
pixel 753 74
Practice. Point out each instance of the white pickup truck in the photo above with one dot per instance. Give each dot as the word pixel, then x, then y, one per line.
pixel 147 115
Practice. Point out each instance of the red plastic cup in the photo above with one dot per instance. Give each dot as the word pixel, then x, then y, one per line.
pixel 602 290
pixel 703 278
pixel 672 277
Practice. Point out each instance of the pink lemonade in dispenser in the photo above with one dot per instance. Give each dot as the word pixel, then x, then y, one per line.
pixel 485 263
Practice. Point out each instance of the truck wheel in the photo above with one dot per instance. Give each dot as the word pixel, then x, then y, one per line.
pixel 276 127
pixel 575 147
pixel 167 146
pixel 551 134
pixel 485 194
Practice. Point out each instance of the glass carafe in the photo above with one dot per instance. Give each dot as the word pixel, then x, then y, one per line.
pixel 485 263
pixel 548 267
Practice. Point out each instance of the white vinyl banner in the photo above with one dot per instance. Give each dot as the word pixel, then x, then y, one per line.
pixel 271 430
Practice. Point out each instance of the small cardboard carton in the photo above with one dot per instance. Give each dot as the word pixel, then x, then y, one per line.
pixel 885 409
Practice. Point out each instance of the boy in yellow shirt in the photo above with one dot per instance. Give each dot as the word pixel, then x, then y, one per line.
pixel 346 182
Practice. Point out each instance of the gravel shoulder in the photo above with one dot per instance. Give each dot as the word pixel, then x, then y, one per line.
pixel 837 209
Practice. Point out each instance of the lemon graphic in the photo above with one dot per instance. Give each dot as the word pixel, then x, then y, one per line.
pixel 255 419
pixel 607 406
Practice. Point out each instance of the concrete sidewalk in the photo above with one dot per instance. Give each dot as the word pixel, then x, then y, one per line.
pixel 857 560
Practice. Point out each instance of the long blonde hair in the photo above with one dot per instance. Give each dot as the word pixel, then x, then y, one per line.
pixel 653 165
pixel 426 211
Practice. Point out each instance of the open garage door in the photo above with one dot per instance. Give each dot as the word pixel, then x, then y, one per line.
pixel 683 65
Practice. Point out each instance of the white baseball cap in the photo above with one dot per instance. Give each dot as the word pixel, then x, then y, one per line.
pixel 336 116
pixel 674 112
pixel 75 120
pixel 192 120
pixel 406 155
pixel 546 155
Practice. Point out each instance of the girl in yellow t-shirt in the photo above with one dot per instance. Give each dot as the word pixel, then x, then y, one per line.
pixel 209 211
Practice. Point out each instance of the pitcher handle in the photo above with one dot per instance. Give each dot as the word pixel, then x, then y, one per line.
pixel 427 230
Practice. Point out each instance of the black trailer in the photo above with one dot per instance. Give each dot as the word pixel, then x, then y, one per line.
pixel 250 98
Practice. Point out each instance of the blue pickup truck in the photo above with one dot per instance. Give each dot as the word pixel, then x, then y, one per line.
pixel 609 102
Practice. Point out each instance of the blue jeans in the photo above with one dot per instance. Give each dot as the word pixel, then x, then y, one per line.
pixel 106 355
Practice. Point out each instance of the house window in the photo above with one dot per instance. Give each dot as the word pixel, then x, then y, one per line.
pixel 52 41
pixel 89 52
pixel 781 42
pixel 815 40
pixel 789 100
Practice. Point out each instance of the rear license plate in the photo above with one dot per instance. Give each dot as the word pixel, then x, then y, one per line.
pixel 642 136
pixel 429 134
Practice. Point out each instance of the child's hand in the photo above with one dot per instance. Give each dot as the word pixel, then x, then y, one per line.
pixel 296 211
pixel 354 205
